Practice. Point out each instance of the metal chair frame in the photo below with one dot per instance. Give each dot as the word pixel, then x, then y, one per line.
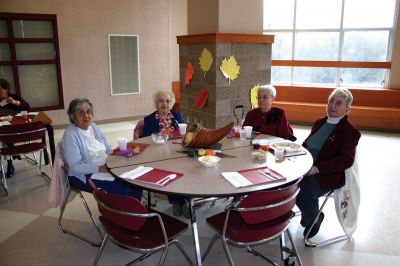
pixel 286 253
pixel 64 175
pixel 332 240
pixel 16 134
pixel 147 252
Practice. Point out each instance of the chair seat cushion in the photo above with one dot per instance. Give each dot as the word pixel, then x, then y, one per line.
pixel 150 236
pixel 239 231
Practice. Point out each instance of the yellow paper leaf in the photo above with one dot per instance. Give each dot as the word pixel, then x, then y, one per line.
pixel 230 68
pixel 253 96
pixel 205 60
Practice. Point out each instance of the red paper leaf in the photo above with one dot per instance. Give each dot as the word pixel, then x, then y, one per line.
pixel 189 71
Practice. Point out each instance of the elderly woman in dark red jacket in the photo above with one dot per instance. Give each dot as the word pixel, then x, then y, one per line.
pixel 267 119
pixel 332 143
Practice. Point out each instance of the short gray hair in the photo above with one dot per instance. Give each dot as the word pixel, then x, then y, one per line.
pixel 77 104
pixel 157 94
pixel 345 93
pixel 268 88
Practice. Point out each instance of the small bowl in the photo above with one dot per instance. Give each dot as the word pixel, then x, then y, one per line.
pixel 209 160
pixel 159 138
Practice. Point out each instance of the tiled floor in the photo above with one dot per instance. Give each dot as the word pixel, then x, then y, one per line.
pixel 29 234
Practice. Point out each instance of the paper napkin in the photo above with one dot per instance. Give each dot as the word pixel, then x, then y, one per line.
pixel 236 179
pixel 135 173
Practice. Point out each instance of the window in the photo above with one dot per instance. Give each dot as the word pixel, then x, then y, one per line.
pixel 124 64
pixel 29 58
pixel 335 42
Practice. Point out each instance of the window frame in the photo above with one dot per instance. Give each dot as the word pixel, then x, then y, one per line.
pixel 339 64
pixel 14 63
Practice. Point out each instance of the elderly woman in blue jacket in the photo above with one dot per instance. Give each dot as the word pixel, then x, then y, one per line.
pixel 85 150
pixel 164 119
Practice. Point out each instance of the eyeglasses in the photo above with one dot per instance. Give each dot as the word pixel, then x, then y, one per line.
pixel 264 98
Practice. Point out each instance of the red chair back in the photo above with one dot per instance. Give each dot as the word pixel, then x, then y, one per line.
pixel 119 209
pixel 22 133
pixel 274 203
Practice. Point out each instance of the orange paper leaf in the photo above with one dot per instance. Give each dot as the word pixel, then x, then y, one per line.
pixel 189 71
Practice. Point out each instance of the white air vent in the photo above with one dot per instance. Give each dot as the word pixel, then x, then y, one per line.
pixel 124 64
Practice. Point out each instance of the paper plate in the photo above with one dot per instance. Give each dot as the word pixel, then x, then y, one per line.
pixel 201 98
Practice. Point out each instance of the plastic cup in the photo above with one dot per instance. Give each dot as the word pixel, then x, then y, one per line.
pixel 248 130
pixel 182 128
pixel 237 131
pixel 122 143
pixel 242 134
pixel 24 114
pixel 264 145
pixel 279 154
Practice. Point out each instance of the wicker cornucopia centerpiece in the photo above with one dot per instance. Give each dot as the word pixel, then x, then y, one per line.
pixel 198 137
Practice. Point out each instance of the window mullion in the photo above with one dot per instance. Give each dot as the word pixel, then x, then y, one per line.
pixel 293 40
pixel 339 79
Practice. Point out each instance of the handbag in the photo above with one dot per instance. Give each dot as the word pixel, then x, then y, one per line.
pixel 347 200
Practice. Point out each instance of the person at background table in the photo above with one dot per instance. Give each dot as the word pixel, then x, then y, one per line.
pixel 10 104
pixel 85 150
pixel 164 119
pixel 332 143
pixel 267 119
pixel 10 101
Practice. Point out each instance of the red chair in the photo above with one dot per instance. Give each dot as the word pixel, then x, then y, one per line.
pixel 129 224
pixel 256 219
pixel 22 139
pixel 137 132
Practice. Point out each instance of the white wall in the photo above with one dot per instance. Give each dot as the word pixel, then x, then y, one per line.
pixel 83 27
pixel 178 27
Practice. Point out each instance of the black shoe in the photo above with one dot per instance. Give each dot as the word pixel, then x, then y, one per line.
pixel 10 169
pixel 315 228
pixel 17 157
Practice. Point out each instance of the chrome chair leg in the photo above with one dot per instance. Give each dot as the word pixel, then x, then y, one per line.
pixel 60 225
pixel 210 245
pixel 227 253
pixel 332 240
pixel 103 244
pixel 3 179
pixel 256 253
pixel 40 167
pixel 179 245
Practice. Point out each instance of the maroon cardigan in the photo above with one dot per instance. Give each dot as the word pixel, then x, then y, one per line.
pixel 337 154
pixel 273 122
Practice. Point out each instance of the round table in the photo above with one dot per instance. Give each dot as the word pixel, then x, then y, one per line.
pixel 199 181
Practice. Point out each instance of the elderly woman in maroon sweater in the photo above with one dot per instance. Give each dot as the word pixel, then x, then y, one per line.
pixel 332 143
pixel 267 119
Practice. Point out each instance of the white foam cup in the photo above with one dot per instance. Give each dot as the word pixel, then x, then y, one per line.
pixel 182 128
pixel 122 143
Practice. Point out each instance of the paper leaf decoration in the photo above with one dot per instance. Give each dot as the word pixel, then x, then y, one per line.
pixel 253 96
pixel 205 60
pixel 189 71
pixel 230 68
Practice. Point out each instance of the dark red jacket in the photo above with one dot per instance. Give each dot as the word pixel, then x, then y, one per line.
pixel 273 122
pixel 337 154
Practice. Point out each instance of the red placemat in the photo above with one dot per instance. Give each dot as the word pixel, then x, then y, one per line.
pixel 157 175
pixel 256 177
pixel 18 120
pixel 132 149
pixel 175 135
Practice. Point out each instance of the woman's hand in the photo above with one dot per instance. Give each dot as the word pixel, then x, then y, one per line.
pixel 103 169
pixel 12 101
pixel 314 170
